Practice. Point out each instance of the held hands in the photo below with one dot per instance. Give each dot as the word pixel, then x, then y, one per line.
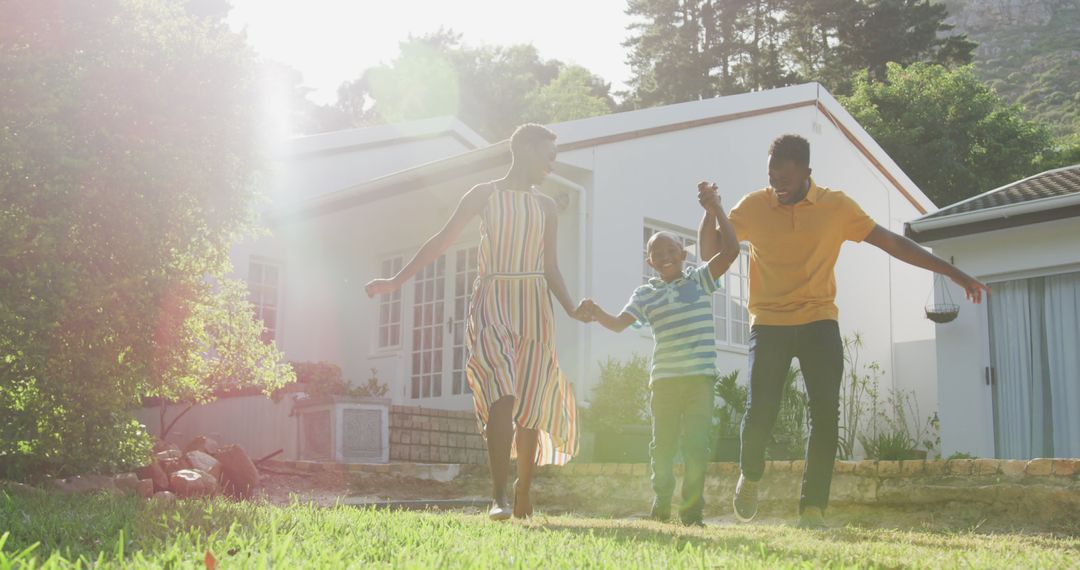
pixel 708 196
pixel 586 311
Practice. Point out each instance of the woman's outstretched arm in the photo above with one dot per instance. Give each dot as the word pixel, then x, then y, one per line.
pixel 471 204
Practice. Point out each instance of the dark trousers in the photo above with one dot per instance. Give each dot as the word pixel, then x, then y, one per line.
pixel 681 406
pixel 820 351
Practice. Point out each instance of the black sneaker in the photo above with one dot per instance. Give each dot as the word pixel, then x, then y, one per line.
pixel 745 500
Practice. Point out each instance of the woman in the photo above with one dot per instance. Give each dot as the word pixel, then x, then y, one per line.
pixel 523 402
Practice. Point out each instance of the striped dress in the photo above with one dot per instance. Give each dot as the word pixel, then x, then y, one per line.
pixel 511 328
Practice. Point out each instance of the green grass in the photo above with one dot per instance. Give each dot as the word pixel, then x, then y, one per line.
pixel 115 532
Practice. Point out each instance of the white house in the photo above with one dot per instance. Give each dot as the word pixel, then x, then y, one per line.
pixel 1010 368
pixel 353 205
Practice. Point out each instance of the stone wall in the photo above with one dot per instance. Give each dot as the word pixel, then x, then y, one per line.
pixel 428 435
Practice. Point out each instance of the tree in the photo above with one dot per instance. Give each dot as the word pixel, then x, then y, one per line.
pixel 684 50
pixel 127 154
pixel 879 32
pixel 574 94
pixel 218 349
pixel 491 89
pixel 949 132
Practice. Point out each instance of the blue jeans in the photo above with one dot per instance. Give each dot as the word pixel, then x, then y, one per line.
pixel 681 405
pixel 820 351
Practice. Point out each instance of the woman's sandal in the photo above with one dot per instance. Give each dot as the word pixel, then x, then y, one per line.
pixel 499 511
pixel 523 514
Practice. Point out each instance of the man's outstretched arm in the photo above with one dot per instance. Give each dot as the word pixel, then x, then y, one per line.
pixel 908 251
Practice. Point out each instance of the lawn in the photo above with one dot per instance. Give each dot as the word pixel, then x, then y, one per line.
pixel 119 532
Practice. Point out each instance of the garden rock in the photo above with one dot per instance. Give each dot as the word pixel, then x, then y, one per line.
pixel 241 478
pixel 86 484
pixel 145 488
pixel 203 462
pixel 161 445
pixel 204 444
pixel 170 460
pixel 155 473
pixel 20 489
pixel 192 483
pixel 126 482
pixel 165 496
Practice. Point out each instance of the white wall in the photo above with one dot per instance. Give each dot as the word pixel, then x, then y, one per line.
pixel 963 350
pixel 656 177
pixel 256 423
pixel 325 314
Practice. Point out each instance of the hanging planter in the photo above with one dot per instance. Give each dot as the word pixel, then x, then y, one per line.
pixel 946 310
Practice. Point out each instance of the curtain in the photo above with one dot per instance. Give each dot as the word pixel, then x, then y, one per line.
pixel 1018 429
pixel 1062 305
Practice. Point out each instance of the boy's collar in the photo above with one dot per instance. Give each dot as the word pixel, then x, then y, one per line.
pixel 659 282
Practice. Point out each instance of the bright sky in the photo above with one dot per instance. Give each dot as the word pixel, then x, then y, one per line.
pixel 333 41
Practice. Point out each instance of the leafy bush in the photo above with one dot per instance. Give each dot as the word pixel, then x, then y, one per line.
pixel 325 379
pixel 621 398
pixel 728 415
pixel 127 164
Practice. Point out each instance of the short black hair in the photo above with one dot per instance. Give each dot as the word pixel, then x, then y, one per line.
pixel 527 134
pixel 791 148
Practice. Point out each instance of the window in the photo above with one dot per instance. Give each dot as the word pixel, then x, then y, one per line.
pixel 687 239
pixel 389 333
pixel 263 278
pixel 731 304
pixel 428 336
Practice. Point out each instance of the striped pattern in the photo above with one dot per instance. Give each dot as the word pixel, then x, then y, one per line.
pixel 680 314
pixel 511 329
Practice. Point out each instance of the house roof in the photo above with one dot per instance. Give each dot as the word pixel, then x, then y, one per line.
pixel 382 135
pixel 1050 195
pixel 618 127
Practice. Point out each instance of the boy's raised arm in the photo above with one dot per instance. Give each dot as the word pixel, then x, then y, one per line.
pixel 708 237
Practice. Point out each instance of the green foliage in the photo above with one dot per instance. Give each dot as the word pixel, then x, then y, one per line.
pixel 885 429
pixel 961 455
pixel 792 423
pixel 126 161
pixel 1031 61
pixel 729 415
pixel 858 379
pixel 949 132
pixel 326 379
pixel 492 89
pixel 695 49
pixel 621 397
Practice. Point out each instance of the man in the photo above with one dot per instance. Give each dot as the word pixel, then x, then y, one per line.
pixel 795 229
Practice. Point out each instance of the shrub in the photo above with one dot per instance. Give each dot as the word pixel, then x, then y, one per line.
pixel 621 398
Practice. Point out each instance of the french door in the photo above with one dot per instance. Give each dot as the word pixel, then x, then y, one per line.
pixel 440 305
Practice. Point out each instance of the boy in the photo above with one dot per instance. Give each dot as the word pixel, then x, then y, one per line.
pixel 678 307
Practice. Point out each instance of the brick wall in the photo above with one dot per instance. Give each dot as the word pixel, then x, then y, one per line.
pixel 428 435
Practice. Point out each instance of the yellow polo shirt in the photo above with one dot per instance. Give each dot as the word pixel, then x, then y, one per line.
pixel 793 251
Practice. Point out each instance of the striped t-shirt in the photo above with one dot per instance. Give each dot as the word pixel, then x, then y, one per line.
pixel 680 314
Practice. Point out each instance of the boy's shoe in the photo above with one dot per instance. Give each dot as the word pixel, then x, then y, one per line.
pixel 745 500
pixel 812 518
pixel 661 510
